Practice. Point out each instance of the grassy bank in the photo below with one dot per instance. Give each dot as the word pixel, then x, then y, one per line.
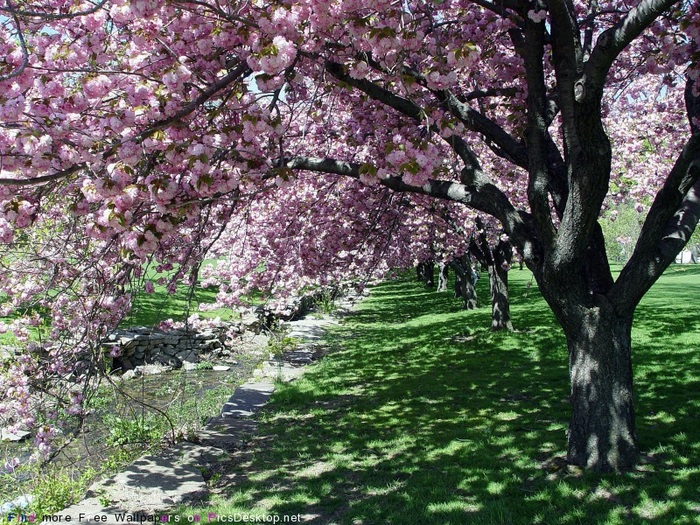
pixel 421 415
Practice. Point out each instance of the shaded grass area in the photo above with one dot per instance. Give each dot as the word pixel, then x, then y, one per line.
pixel 420 415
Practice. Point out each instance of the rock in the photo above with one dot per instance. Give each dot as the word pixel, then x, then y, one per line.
pixel 221 368
pixel 151 484
pixel 21 502
pixel 154 369
pixel 18 435
pixel 250 322
pixel 259 340
pixel 168 362
pixel 187 357
pixel 131 374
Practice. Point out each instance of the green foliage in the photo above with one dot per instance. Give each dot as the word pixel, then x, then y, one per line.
pixel 151 309
pixel 419 414
pixel 126 431
pixel 52 488
pixel 204 365
pixel 279 345
pixel 621 228
pixel 56 489
pixel 326 302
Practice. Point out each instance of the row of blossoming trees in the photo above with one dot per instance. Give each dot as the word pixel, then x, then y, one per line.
pixel 302 142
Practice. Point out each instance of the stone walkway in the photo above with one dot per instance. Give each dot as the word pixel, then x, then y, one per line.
pixel 153 484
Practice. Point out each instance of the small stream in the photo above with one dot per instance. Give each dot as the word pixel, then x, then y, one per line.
pixel 189 397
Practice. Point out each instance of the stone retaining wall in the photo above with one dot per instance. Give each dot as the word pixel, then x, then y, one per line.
pixel 140 345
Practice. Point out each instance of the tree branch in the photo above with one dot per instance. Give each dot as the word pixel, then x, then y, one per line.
pixel 671 219
pixel 537 129
pixel 509 148
pixel 614 40
pixel 43 179
pixel 647 264
pixel 23 47
pixel 480 195
pixel 403 106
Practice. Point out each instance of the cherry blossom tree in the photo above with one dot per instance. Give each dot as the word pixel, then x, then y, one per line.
pixel 139 128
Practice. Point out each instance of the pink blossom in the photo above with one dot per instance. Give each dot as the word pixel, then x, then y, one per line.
pixel 537 16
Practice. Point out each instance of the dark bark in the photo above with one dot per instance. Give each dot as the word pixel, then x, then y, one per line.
pixel 602 431
pixel 500 300
pixel 497 261
pixel 425 272
pixel 464 284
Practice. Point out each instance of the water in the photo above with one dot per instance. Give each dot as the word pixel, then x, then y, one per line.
pixel 189 397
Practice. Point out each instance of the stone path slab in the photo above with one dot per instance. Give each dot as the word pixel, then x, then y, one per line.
pixel 309 329
pixel 227 433
pixel 248 399
pixel 148 485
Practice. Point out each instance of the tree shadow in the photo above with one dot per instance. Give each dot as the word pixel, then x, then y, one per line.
pixel 420 414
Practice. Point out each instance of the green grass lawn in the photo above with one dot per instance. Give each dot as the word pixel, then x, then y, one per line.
pixel 421 415
pixel 151 309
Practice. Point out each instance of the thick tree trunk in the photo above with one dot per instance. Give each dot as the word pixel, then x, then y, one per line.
pixel 464 286
pixel 443 269
pixel 425 271
pixel 500 301
pixel 429 274
pixel 465 290
pixel 602 433
pixel 497 260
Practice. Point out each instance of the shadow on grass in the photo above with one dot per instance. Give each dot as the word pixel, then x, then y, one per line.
pixel 419 415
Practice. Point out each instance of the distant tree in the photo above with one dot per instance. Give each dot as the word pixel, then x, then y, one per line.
pixel 621 228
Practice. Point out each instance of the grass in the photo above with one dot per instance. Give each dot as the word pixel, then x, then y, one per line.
pixel 151 309
pixel 420 415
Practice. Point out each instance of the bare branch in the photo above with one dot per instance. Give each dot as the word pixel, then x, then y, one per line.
pixel 614 40
pixel 23 47
pixel 43 179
